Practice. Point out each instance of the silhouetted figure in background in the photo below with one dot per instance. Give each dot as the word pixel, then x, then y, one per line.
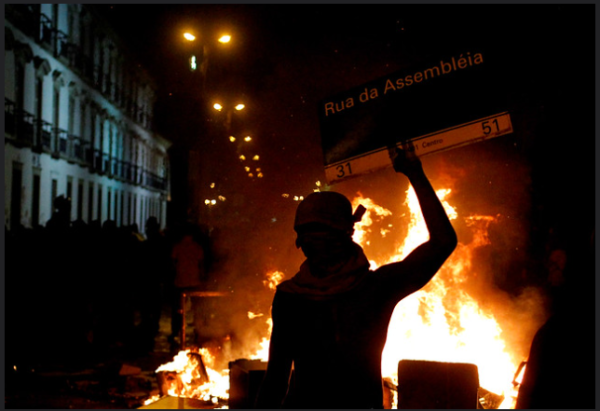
pixel 188 256
pixel 154 270
pixel 560 371
pixel 330 321
pixel 117 258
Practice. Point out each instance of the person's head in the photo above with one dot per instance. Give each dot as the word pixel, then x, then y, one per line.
pixel 324 223
pixel 152 225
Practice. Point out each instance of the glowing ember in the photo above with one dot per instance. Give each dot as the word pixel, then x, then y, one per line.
pixel 273 279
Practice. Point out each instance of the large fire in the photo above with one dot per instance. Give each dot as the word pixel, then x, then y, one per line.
pixel 441 322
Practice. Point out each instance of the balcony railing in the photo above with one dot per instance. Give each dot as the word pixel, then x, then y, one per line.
pixel 62 143
pixel 23 129
pixel 43 135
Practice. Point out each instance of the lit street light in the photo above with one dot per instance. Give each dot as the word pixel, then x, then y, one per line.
pixel 228 113
pixel 203 59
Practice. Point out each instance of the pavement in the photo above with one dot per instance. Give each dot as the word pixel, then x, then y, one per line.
pixel 118 378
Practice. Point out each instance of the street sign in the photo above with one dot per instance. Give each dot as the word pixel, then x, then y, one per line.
pixel 463 134
pixel 437 104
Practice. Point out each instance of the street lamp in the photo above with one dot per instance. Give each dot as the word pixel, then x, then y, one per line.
pixel 204 47
pixel 228 113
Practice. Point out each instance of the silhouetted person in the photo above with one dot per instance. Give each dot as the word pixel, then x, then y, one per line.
pixel 330 320
pixel 61 215
pixel 560 371
pixel 155 264
pixel 188 256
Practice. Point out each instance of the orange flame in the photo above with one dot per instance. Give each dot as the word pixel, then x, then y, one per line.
pixel 441 322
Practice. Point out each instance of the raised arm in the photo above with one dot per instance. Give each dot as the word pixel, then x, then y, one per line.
pixel 422 263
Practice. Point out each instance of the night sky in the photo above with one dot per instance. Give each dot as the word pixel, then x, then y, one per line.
pixel 284 59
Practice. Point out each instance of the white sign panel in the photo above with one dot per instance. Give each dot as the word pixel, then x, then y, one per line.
pixel 447 139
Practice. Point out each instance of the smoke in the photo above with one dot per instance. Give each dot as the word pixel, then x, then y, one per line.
pixel 489 179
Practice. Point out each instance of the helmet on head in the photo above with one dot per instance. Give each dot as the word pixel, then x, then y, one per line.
pixel 326 208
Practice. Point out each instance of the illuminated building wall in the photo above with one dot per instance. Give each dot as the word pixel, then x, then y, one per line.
pixel 78 121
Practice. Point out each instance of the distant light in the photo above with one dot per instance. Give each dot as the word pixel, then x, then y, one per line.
pixel 285 195
pixel 212 185
pixel 248 138
pixel 207 202
pixel 255 158
pixel 242 157
pixel 247 169
pixel 213 202
pixel 225 39
pixel 231 138
pixel 250 175
pixel 189 36
pixel 296 198
pixel 193 64
pixel 301 198
pixel 318 184
pixel 258 170
pixel 259 175
pixel 217 107
pixel 221 198
pixel 239 107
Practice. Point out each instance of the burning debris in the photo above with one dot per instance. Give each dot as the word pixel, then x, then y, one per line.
pixel 444 322
pixel 188 376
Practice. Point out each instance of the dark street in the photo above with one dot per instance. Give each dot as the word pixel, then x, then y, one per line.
pixel 158 156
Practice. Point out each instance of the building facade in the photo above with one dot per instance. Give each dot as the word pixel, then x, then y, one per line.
pixel 78 121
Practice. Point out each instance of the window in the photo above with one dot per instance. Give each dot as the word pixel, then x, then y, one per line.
pixel 39 100
pixel 39 97
pixel 16 195
pixel 55 16
pixel 71 23
pixel 80 200
pixel 71 125
pixel 69 187
pixel 53 194
pixel 122 208
pixel 90 202
pixel 99 216
pixel 35 200
pixel 134 219
pixel 129 209
pixel 20 86
pixel 108 203
pixel 56 116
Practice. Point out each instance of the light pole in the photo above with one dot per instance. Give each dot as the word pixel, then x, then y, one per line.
pixel 203 59
pixel 228 111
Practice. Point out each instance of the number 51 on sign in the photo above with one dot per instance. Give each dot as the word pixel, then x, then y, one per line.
pixel 447 139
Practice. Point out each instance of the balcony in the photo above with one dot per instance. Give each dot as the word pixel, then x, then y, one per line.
pixel 61 144
pixel 18 125
pixel 43 135
pixel 77 152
